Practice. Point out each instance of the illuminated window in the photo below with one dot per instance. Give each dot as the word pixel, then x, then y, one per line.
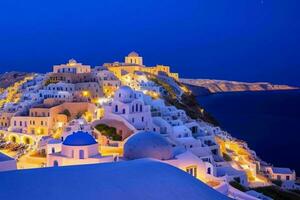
pixel 192 170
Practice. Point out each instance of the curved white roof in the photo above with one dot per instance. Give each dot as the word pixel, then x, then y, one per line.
pixel 124 94
pixel 147 145
pixel 140 180
pixel 133 54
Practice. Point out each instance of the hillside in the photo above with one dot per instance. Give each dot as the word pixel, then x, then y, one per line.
pixel 215 86
pixel 9 78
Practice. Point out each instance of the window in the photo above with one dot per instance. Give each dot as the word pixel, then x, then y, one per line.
pixel 209 170
pixel 142 119
pixel 278 177
pixel 287 178
pixel 141 108
pixel 81 154
pixel 53 150
pixel 124 111
pixel 116 108
pixel 192 170
pixel 55 163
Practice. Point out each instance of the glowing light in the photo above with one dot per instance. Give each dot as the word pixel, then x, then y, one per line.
pixel 85 93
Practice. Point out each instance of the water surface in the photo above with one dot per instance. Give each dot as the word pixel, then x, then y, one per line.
pixel 268 121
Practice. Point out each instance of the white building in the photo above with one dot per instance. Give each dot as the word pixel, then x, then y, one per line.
pixel 62 91
pixel 139 81
pixel 78 148
pixel 281 174
pixel 129 105
pixel 107 78
pixel 145 144
pixel 72 67
pixel 134 58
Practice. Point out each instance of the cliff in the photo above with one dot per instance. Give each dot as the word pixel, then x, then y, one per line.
pixel 215 86
pixel 187 101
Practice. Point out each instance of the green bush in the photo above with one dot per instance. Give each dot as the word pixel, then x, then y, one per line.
pixel 227 157
pixel 277 182
pixel 238 186
pixel 277 194
pixel 110 132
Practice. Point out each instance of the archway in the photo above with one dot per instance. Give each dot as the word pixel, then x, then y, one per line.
pixel 26 140
pixel 13 138
pixel 55 163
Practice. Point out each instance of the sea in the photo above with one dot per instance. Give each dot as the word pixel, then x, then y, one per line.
pixel 268 121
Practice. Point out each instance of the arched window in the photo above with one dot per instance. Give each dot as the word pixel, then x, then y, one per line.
pixel 13 139
pixel 81 154
pixel 116 108
pixel 141 108
pixel 27 140
pixel 55 163
pixel 136 108
pixel 53 150
pixel 124 111
pixel 132 108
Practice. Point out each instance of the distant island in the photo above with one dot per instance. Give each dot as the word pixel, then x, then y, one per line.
pixel 216 86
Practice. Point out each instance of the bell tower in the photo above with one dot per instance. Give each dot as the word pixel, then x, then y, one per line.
pixel 134 58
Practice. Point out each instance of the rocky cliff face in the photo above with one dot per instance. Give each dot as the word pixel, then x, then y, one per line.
pixel 215 86
pixel 9 78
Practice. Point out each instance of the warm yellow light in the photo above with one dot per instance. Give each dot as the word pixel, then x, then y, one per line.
pixel 85 93
pixel 60 124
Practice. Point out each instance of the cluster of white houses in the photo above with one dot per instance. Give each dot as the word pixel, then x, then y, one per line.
pixel 71 101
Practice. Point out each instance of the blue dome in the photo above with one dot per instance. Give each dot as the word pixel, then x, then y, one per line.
pixel 145 144
pixel 79 138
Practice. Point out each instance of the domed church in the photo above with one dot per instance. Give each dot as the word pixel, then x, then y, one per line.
pixel 128 105
pixel 147 144
pixel 78 148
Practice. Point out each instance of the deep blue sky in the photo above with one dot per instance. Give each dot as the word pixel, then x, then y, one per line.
pixel 250 40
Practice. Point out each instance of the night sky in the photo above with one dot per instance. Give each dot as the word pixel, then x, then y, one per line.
pixel 245 40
